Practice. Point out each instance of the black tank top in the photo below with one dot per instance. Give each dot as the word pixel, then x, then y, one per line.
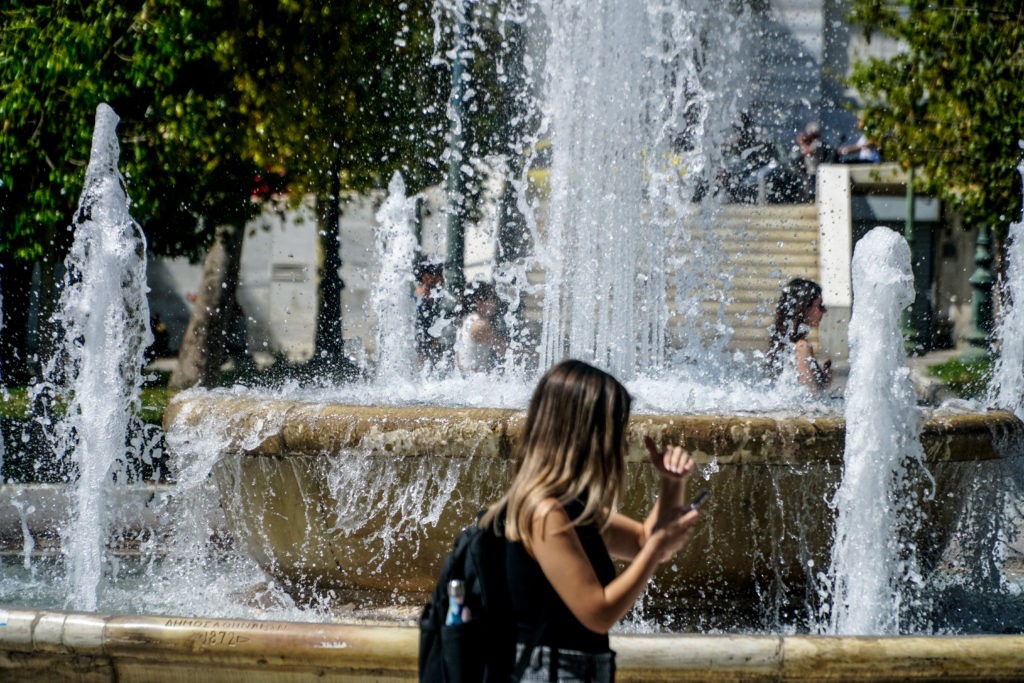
pixel 534 600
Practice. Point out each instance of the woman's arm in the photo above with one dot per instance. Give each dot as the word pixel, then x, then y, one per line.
pixel 624 537
pixel 565 564
pixel 804 359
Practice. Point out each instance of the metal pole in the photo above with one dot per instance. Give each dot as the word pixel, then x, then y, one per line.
pixel 454 267
pixel 981 298
pixel 911 335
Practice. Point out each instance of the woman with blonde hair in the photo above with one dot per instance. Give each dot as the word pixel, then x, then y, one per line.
pixel 560 519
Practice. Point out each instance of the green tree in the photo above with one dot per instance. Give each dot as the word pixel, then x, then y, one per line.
pixel 159 65
pixel 951 105
pixel 337 96
pixel 343 95
pixel 340 96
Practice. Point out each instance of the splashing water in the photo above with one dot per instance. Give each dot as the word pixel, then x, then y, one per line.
pixel 1007 383
pixel 621 247
pixel 392 296
pixel 103 315
pixel 617 240
pixel 635 105
pixel 871 563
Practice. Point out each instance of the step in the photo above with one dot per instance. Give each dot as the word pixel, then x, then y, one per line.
pixel 765 286
pixel 771 234
pixel 806 260
pixel 765 211
pixel 752 253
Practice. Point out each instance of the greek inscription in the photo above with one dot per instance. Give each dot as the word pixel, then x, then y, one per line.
pixel 218 625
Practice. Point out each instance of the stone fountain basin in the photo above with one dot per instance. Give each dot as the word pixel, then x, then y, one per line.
pixel 334 497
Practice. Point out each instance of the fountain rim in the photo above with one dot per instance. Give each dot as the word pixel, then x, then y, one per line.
pixel 157 648
pixel 305 427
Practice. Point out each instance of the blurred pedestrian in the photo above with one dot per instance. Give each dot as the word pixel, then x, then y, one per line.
pixel 478 345
pixel 429 319
pixel 860 152
pixel 810 152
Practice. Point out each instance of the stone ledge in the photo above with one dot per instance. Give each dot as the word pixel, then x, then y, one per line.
pixel 37 645
pixel 296 427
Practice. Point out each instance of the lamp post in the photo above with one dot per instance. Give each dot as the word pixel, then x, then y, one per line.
pixel 981 298
pixel 454 265
pixel 911 335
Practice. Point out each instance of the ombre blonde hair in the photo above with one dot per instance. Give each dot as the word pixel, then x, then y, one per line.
pixel 573 446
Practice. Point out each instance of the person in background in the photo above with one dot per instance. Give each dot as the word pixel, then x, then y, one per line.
pixel 799 310
pixel 478 345
pixel 560 520
pixel 810 152
pixel 429 291
pixel 860 152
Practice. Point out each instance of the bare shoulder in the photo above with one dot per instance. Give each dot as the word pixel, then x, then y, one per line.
pixel 547 508
pixel 550 517
pixel 804 348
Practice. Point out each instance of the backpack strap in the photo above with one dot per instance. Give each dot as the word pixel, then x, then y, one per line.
pixel 523 660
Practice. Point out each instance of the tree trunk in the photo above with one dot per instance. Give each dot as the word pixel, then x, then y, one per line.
pixel 203 348
pixel 16 283
pixel 328 348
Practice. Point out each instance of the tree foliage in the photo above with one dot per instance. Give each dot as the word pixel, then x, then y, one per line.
pixel 338 96
pixel 157 65
pixel 951 105
pixel 345 85
pixel 212 93
pixel 160 66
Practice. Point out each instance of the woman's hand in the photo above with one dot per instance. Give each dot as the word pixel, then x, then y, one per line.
pixel 675 466
pixel 672 461
pixel 670 537
pixel 669 524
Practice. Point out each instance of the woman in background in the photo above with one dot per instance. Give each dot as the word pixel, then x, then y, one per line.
pixel 799 310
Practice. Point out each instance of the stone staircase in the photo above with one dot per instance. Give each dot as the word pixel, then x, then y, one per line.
pixel 762 247
pixel 765 246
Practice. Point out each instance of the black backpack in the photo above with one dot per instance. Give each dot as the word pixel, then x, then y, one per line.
pixel 484 647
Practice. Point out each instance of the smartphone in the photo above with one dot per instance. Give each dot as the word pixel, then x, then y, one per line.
pixel 699 499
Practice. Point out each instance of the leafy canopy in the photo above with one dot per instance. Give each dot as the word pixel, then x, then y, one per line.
pixel 210 93
pixel 158 65
pixel 345 86
pixel 951 106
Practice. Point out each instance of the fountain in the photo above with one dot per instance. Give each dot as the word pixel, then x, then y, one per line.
pixel 1008 376
pixel 104 316
pixel 395 249
pixel 297 508
pixel 872 555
